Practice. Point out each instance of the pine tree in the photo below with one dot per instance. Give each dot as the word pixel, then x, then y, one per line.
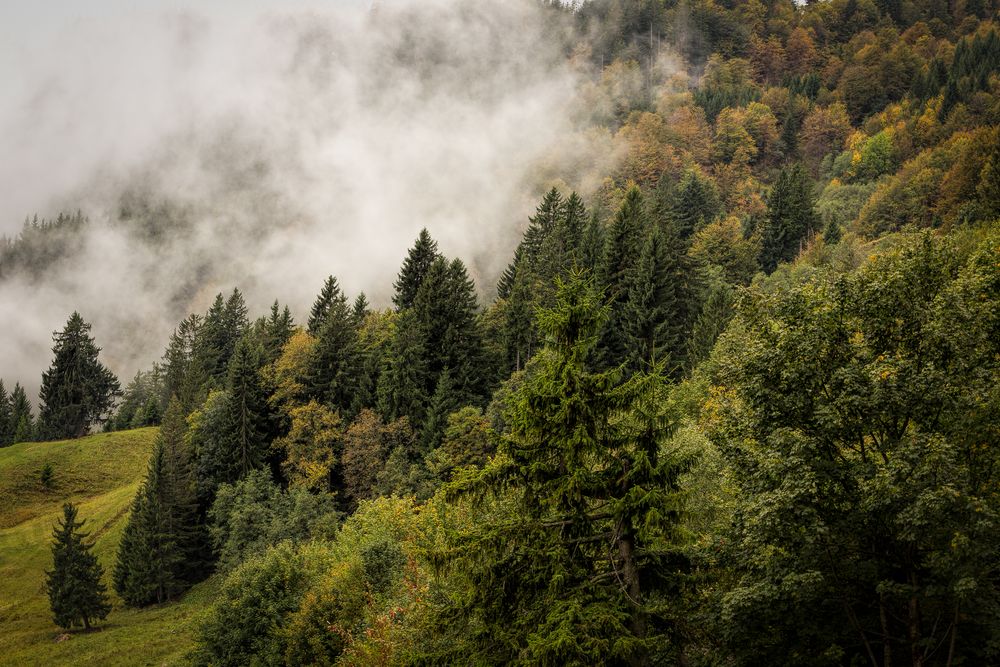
pixel 519 331
pixel 6 418
pixel 445 308
pixel 76 594
pixel 360 309
pixel 711 322
pixel 160 550
pixel 653 310
pixel 415 268
pixel 574 222
pixel 181 377
pixel 77 390
pixel 443 403
pixel 321 307
pixel 592 248
pixel 790 217
pixel 622 250
pixel 506 282
pixel 695 203
pixel 21 422
pixel 402 384
pixel 337 358
pixel 222 327
pixel 576 569
pixel 248 414
pixel 274 331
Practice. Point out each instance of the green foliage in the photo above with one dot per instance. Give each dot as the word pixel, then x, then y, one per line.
pixel 47 475
pixel 414 270
pixel 337 361
pixel 76 594
pixel 254 513
pixel 77 390
pixel 791 218
pixel 161 550
pixel 565 574
pixel 854 414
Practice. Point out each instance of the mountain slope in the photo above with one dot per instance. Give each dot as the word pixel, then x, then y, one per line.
pixel 101 473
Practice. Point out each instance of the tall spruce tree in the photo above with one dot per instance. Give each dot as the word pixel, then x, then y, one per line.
pixel 402 384
pixel 223 325
pixel 21 421
pixel 160 552
pixel 6 418
pixel 592 245
pixel 444 401
pixel 181 376
pixel 76 594
pixel 274 331
pixel 621 254
pixel 652 318
pixel 577 569
pixel 77 390
pixel 337 361
pixel 415 268
pixel 321 307
pixel 360 309
pixel 248 414
pixel 791 218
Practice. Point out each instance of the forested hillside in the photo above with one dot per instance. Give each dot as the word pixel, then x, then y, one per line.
pixel 733 401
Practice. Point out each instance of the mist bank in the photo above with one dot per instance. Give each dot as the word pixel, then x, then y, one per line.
pixel 267 152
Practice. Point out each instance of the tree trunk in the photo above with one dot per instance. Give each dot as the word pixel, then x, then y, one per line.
pixel 633 588
pixel 914 623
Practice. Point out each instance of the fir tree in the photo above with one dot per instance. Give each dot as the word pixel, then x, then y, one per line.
pixel 652 318
pixel 77 390
pixel 360 309
pixel 248 414
pixel 790 217
pixel 76 594
pixel 321 307
pixel 506 282
pixel 592 248
pixel 275 330
pixel 540 226
pixel 574 222
pixel 337 358
pixel 402 383
pixel 443 403
pixel 715 314
pixel 415 268
pixel 181 376
pixel 21 422
pixel 222 327
pixel 7 426
pixel 576 570
pixel 160 549
pixel 695 203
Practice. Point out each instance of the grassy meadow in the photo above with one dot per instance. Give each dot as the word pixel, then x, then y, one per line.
pixel 101 474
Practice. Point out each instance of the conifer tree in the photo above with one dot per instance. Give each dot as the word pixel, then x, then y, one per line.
pixel 415 268
pixel 715 314
pixel 695 202
pixel 21 421
pixel 652 317
pixel 576 570
pixel 790 217
pixel 402 384
pixel 274 331
pixel 506 282
pixel 248 414
pixel 76 594
pixel 160 550
pixel 337 359
pixel 445 307
pixel 442 403
pixel 181 376
pixel 621 253
pixel 222 327
pixel 520 335
pixel 77 390
pixel 574 222
pixel 592 248
pixel 321 307
pixel 360 309
pixel 6 418
pixel 545 221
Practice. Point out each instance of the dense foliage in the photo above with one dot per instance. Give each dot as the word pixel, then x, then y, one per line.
pixel 733 401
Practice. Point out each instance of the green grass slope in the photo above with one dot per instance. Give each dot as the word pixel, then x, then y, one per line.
pixel 101 473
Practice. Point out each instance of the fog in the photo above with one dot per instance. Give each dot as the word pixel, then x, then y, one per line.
pixel 266 150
